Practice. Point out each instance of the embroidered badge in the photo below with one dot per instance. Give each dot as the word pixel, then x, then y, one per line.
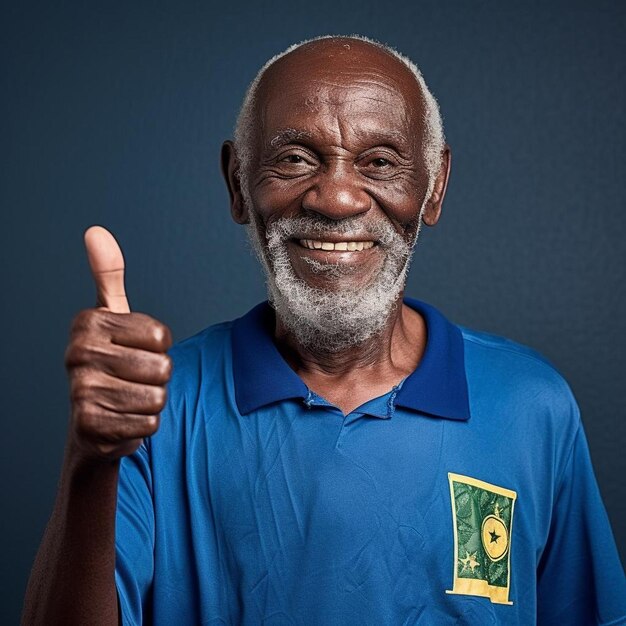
pixel 482 518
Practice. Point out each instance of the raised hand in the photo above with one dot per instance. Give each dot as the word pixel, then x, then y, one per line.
pixel 116 361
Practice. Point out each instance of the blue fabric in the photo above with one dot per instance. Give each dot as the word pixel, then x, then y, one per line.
pixel 259 502
pixel 268 378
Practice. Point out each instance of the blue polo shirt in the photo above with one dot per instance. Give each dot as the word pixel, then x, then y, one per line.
pixel 465 495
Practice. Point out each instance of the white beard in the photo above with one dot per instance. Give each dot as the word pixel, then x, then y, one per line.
pixel 329 321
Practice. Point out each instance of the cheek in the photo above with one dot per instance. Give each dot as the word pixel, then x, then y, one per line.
pixel 401 202
pixel 275 198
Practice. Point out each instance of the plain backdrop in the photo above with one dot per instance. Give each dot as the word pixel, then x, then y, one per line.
pixel 113 113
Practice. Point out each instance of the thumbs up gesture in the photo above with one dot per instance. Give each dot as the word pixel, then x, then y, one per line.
pixel 116 362
pixel 107 266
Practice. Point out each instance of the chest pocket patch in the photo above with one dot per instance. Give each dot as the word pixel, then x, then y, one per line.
pixel 482 520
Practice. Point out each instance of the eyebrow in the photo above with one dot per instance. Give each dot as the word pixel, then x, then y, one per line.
pixel 288 135
pixel 387 136
pixel 384 136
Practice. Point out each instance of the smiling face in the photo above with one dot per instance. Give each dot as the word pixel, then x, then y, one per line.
pixel 336 186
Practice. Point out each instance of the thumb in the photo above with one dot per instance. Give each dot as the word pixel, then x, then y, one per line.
pixel 107 266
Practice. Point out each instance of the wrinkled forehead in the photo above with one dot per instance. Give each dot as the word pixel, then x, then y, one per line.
pixel 349 78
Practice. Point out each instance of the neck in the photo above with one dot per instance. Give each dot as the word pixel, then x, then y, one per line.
pixel 384 359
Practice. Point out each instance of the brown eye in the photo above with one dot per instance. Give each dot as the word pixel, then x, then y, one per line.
pixel 380 162
pixel 293 158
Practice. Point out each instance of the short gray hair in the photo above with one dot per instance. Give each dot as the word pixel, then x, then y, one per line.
pixel 434 137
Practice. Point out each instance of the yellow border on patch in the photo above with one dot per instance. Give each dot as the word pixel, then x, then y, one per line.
pixel 474 482
pixel 475 586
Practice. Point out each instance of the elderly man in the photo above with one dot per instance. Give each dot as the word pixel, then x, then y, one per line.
pixel 345 455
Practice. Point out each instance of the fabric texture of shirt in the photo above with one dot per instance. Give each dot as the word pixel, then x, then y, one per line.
pixel 259 502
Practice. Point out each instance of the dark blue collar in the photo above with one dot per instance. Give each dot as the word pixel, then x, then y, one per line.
pixel 438 386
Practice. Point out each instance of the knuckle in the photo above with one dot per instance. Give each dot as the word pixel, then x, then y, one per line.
pixel 83 384
pixel 86 320
pixel 76 353
pixel 85 419
pixel 76 384
pixel 70 357
pixel 158 396
pixel 161 335
pixel 165 367
pixel 151 424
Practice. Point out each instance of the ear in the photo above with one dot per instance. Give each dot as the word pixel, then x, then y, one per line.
pixel 432 210
pixel 230 171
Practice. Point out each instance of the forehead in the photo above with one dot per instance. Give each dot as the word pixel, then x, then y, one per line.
pixel 337 88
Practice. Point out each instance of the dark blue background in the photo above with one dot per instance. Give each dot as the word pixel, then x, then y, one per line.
pixel 114 114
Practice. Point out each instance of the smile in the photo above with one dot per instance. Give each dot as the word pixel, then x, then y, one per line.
pixel 352 246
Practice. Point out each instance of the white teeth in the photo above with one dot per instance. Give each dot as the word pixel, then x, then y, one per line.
pixel 314 244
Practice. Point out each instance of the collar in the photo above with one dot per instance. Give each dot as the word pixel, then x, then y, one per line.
pixel 437 387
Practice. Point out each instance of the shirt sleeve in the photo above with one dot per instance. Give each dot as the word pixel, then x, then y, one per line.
pixel 134 538
pixel 580 577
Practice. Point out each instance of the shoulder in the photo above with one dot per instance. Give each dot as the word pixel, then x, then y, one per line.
pixel 192 355
pixel 506 371
pixel 488 346
pixel 210 337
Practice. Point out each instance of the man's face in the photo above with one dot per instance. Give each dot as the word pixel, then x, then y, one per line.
pixel 335 189
pixel 339 142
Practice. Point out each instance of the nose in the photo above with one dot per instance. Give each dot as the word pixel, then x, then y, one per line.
pixel 337 193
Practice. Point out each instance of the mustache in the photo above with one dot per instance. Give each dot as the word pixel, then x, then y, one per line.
pixel 317 227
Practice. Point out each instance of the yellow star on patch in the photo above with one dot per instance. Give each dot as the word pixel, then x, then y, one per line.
pixel 469 562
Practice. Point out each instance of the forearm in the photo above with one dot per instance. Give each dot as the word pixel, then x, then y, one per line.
pixel 73 577
pixel 118 370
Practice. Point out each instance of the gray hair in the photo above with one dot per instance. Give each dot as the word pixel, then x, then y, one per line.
pixel 434 140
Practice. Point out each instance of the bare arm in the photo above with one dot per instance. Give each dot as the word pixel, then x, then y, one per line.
pixel 72 580
pixel 118 371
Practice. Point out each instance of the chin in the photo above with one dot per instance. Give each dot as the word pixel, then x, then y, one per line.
pixel 338 285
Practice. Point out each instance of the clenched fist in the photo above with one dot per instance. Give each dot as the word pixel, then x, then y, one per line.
pixel 116 361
